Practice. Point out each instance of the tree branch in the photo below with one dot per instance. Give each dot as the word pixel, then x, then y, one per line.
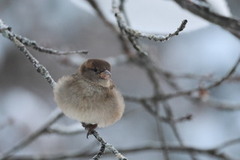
pixel 161 97
pixel 212 152
pixel 137 34
pixel 230 24
pixel 53 117
pixel 33 44
pixel 39 67
pixel 110 147
pixel 6 32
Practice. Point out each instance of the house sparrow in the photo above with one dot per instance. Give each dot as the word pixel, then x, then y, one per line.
pixel 90 96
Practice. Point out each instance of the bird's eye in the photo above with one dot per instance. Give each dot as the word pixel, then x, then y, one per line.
pixel 95 69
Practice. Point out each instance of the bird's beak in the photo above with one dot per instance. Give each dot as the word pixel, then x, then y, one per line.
pixel 105 75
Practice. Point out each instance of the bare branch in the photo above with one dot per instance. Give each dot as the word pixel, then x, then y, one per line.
pixel 53 117
pixel 130 37
pixel 100 153
pixel 34 45
pixel 5 31
pixel 100 14
pixel 156 90
pixel 137 34
pixel 230 24
pixel 219 104
pixel 108 146
pixel 65 130
pixel 6 123
pixel 212 152
pixel 160 97
pixel 227 76
pixel 184 118
pixel 228 144
pixel 39 67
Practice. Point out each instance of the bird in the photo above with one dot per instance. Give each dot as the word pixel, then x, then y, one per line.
pixel 90 96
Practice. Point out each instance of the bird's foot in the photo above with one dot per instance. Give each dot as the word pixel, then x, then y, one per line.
pixel 89 127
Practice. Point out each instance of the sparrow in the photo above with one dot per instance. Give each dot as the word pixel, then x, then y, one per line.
pixel 90 96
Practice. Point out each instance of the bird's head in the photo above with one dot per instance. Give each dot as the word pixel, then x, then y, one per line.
pixel 97 71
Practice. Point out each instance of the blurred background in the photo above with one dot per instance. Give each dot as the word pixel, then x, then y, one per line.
pixel 202 48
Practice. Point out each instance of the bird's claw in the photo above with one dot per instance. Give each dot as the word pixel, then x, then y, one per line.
pixel 90 128
pixel 89 133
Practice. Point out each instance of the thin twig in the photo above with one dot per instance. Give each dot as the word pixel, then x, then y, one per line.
pixel 227 76
pixel 121 23
pixel 33 44
pixel 160 130
pixel 53 117
pixel 187 92
pixel 100 153
pixel 184 118
pixel 108 146
pixel 173 125
pixel 100 14
pixel 212 152
pixel 230 24
pixel 155 37
pixel 65 130
pixel 5 31
pixel 156 90
pixel 167 109
pixel 39 67
pixel 137 34
pixel 219 104
pixel 123 10
pixel 228 144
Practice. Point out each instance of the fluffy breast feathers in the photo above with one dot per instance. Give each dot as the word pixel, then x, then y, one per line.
pixel 87 102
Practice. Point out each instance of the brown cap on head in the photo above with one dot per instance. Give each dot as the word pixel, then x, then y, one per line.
pixel 97 64
pixel 96 68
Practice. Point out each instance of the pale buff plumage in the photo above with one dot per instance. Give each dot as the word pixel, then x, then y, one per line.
pixel 92 101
